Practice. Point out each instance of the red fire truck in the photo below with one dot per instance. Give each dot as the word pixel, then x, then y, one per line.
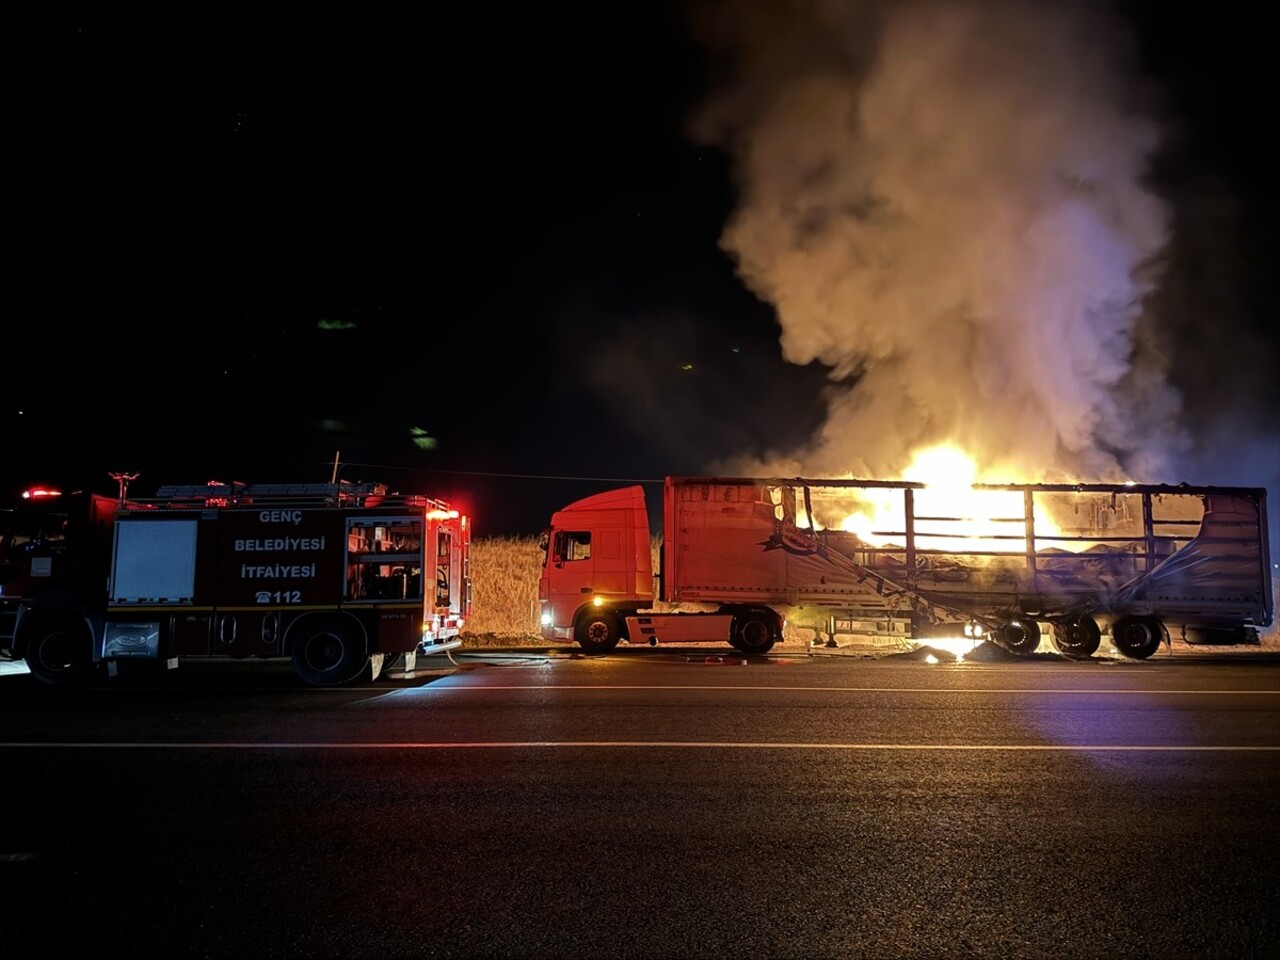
pixel 342 578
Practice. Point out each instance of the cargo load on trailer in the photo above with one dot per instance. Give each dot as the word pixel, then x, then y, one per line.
pixel 341 578
pixel 861 558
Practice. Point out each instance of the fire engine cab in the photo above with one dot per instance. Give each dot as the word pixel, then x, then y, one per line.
pixel 342 578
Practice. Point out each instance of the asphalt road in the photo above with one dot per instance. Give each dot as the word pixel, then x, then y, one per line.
pixel 650 803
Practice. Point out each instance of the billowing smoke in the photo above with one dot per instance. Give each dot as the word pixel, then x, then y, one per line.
pixel 945 203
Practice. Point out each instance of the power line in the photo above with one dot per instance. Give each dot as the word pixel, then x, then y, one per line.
pixel 504 476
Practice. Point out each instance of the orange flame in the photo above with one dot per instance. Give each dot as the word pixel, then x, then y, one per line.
pixel 949 513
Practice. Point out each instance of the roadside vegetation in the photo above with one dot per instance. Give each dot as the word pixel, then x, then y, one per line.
pixel 504 592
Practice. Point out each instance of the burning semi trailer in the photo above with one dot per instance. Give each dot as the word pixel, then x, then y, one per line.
pixel 900 559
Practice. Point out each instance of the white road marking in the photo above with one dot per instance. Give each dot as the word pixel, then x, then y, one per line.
pixel 450 688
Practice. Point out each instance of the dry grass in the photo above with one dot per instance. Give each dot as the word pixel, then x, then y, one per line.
pixel 504 592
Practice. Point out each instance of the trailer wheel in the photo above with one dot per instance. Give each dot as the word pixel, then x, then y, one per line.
pixel 1137 637
pixel 59 651
pixel 598 632
pixel 1019 636
pixel 753 631
pixel 328 655
pixel 1079 637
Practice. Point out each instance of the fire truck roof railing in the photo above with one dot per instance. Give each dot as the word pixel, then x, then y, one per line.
pixel 280 495
pixel 205 491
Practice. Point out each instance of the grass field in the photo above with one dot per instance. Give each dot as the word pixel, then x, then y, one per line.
pixel 504 591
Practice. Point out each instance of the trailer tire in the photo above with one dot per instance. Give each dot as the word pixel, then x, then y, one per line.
pixel 1021 636
pixel 754 631
pixel 59 650
pixel 327 654
pixel 1078 637
pixel 598 632
pixel 1137 637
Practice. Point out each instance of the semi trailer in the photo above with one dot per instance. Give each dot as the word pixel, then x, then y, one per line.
pixel 738 558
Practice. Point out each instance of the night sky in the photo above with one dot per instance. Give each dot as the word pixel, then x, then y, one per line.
pixel 482 255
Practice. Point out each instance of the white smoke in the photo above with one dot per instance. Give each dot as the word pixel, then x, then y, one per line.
pixel 945 204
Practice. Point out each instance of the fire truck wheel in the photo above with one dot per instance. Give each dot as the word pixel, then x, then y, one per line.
pixel 598 632
pixel 328 655
pixel 59 650
pixel 753 631
pixel 1137 637
pixel 1079 637
pixel 1019 636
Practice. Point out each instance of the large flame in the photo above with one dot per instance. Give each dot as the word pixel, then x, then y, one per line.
pixel 949 513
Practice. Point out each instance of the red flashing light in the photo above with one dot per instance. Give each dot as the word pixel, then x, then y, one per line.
pixel 40 492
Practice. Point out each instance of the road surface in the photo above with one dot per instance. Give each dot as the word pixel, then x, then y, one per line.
pixel 649 803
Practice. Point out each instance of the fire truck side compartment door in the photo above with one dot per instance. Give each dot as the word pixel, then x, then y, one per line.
pixel 154 561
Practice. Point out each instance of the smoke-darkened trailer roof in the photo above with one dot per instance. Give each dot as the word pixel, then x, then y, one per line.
pixel 1182 488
